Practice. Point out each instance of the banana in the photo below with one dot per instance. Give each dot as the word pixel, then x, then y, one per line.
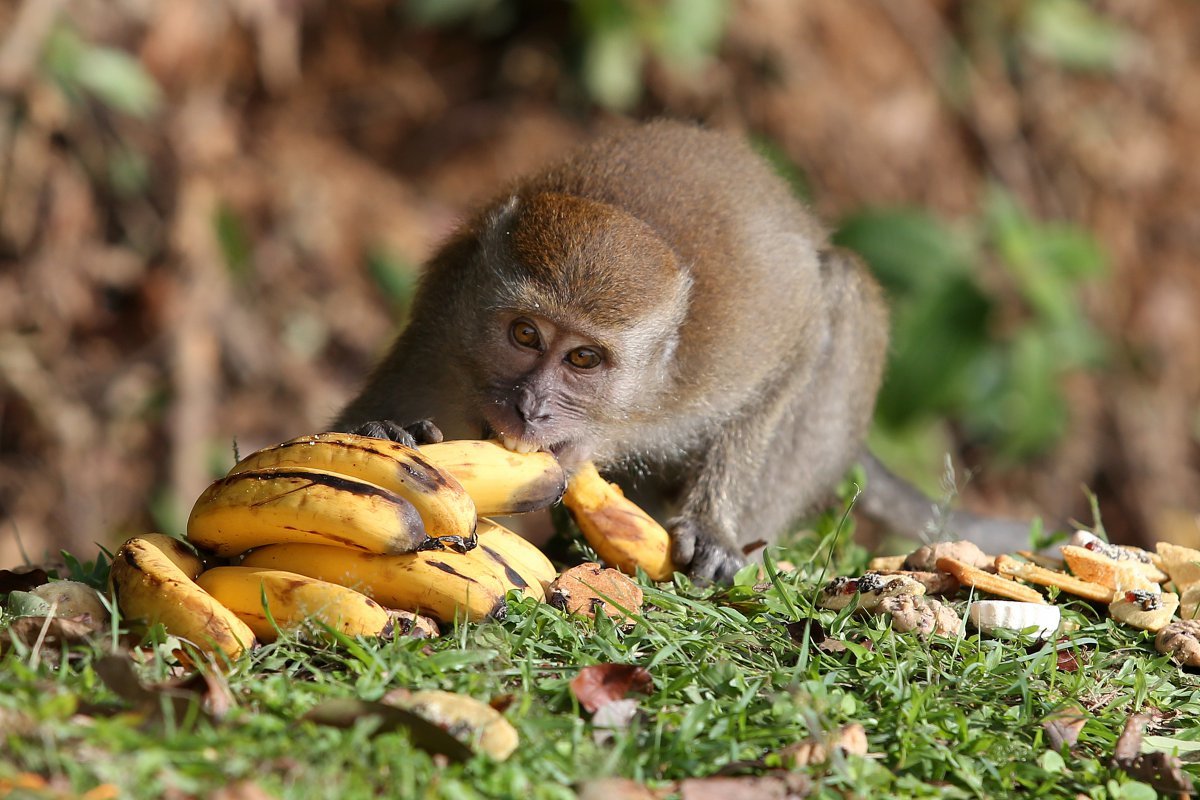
pixel 443 503
pixel 249 509
pixel 150 586
pixel 180 554
pixel 292 599
pixel 499 480
pixel 523 564
pixel 623 535
pixel 439 584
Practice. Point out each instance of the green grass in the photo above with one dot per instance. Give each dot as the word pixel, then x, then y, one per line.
pixel 731 688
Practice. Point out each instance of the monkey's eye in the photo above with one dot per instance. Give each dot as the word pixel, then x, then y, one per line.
pixel 525 334
pixel 584 358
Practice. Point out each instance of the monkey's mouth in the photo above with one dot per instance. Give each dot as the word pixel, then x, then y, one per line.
pixel 518 445
pixel 521 444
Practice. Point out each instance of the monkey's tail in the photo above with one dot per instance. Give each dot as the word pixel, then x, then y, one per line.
pixel 901 508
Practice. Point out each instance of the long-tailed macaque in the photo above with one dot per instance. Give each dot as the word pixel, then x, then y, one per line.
pixel 660 303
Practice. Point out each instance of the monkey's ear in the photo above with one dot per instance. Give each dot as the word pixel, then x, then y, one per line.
pixel 501 217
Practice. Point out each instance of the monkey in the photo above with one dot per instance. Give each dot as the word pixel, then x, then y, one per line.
pixel 660 303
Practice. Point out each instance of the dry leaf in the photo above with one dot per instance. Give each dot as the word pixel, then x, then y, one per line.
pixel 207 689
pixel 345 712
pixel 851 739
pixel 1161 770
pixel 242 790
pixel 614 789
pixel 815 632
pixel 612 717
pixel 600 684
pixel 1063 727
pixel 50 630
pixel 777 786
pixel 588 587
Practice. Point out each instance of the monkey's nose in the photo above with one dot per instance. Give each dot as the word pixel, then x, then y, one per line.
pixel 530 408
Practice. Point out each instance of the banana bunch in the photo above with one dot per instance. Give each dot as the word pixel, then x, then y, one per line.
pixel 337 528
pixel 621 533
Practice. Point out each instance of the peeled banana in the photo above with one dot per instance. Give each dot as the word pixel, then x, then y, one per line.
pixel 499 480
pixel 258 507
pixel 440 584
pixel 518 559
pixel 292 599
pixel 443 503
pixel 623 535
pixel 150 585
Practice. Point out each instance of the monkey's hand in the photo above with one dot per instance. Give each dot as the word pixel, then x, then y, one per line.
pixel 708 558
pixel 422 431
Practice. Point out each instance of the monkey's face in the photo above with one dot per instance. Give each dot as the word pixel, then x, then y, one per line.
pixel 546 386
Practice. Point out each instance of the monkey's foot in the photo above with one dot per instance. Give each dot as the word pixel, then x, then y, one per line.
pixel 707 559
pixel 423 431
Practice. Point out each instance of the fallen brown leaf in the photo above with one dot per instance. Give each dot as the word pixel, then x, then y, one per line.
pixel 242 790
pixel 587 588
pixel 777 786
pixel 815 632
pixel 850 739
pixel 1161 770
pixel 612 717
pixel 345 712
pixel 1063 727
pixel 48 630
pixel 614 789
pixel 205 689
pixel 600 684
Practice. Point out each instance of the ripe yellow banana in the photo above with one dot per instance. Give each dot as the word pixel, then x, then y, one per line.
pixel 150 586
pixel 623 535
pixel 249 509
pixel 179 553
pixel 499 480
pixel 439 584
pixel 523 564
pixel 292 599
pixel 443 503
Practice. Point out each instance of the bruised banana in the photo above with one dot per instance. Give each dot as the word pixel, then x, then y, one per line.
pixel 499 480
pixel 620 532
pixel 443 503
pixel 291 599
pixel 150 585
pixel 259 507
pixel 522 564
pixel 442 584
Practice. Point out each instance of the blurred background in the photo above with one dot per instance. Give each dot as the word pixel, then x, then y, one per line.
pixel 212 213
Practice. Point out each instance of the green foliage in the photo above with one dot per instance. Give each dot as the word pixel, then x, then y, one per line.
pixel 618 35
pixel 112 76
pixel 986 320
pixel 733 683
pixel 1074 33
pixel 613 38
